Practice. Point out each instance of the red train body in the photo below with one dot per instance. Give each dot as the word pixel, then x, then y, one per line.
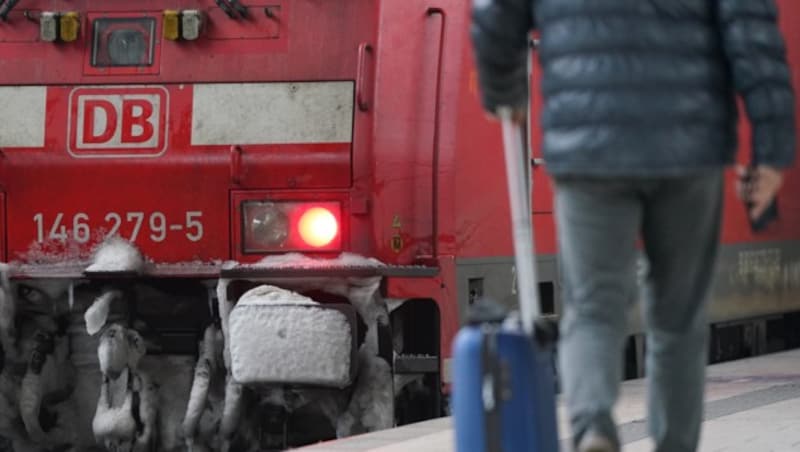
pixel 366 108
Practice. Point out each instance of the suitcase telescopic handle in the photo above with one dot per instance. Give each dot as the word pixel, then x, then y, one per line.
pixel 519 191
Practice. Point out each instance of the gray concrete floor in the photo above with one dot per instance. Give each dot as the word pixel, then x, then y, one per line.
pixel 751 405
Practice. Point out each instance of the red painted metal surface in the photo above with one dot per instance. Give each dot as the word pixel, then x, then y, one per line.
pixel 151 183
pixel 145 190
pixel 421 181
pixel 316 41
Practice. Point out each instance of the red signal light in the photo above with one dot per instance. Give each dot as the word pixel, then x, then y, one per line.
pixel 318 227
pixel 278 226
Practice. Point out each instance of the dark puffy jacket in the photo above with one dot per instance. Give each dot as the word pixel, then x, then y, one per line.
pixel 642 87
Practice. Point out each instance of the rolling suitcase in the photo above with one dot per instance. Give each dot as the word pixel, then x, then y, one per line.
pixel 503 397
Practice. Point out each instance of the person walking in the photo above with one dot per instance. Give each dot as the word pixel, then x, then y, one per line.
pixel 639 123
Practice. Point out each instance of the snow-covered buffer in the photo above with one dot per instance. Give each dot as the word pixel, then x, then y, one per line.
pixel 281 337
pixel 290 351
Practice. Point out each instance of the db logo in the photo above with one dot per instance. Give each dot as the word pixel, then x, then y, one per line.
pixel 118 122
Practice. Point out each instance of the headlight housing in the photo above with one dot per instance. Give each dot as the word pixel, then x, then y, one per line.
pixel 291 226
pixel 123 42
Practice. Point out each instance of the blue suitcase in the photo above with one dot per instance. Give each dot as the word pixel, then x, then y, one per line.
pixel 503 394
pixel 504 391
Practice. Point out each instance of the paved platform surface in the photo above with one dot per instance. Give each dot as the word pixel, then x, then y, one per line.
pixel 752 405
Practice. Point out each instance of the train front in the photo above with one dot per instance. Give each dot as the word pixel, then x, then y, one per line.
pixel 186 212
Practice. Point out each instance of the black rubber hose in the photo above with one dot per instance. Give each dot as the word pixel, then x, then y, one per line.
pixel 225 7
pixel 5 9
pixel 241 9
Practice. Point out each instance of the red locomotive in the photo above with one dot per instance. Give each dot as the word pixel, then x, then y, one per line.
pixel 243 225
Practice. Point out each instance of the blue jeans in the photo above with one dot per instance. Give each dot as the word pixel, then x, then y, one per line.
pixel 599 222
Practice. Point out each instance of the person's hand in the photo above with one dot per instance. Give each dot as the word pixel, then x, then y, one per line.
pixel 758 187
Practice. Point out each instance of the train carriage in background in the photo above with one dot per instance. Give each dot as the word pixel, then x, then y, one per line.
pixel 245 225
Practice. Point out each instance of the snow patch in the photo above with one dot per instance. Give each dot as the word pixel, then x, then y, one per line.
pixel 114 424
pixel 171 375
pixel 203 399
pixel 224 307
pixel 54 252
pixel 5 274
pixel 148 413
pixel 231 411
pixel 30 400
pixel 116 353
pixel 265 295
pixel 118 419
pixel 279 336
pixel 291 260
pixel 363 293
pixel 136 347
pixel 198 398
pixel 97 314
pixel 228 265
pixel 116 389
pixel 116 254
pixel 392 304
pixel 372 405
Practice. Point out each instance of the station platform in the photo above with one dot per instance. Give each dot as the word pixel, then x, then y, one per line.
pixel 751 405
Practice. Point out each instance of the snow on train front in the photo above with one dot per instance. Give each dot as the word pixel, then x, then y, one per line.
pixel 278 358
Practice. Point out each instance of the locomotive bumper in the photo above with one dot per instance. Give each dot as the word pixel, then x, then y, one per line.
pixel 279 337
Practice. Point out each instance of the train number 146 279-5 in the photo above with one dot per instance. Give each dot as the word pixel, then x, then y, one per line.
pixel 137 225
